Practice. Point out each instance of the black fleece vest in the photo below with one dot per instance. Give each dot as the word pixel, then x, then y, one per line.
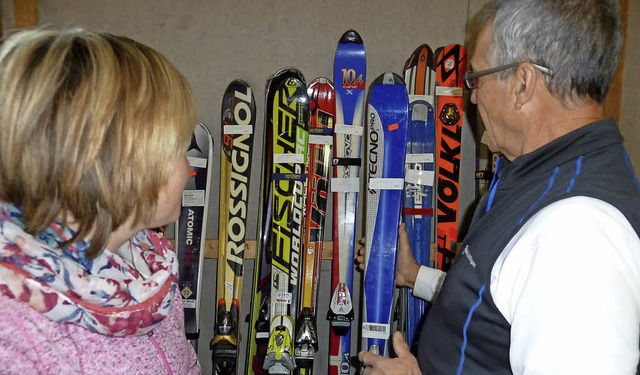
pixel 465 333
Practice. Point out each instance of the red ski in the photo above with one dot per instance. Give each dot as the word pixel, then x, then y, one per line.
pixel 451 64
pixel 322 104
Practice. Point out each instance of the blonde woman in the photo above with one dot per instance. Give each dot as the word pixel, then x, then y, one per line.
pixel 93 130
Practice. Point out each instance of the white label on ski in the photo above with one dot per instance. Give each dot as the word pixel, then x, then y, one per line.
pixel 423 178
pixel 336 360
pixel 375 331
pixel 448 91
pixel 197 162
pixel 317 139
pixel 348 129
pixel 193 198
pixel 419 158
pixel 345 185
pixel 189 303
pixel 283 297
pixel 288 158
pixel 262 335
pixel 386 183
pixel 426 98
pixel 238 129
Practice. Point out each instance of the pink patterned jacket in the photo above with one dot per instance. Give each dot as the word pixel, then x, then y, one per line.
pixel 30 343
pixel 62 312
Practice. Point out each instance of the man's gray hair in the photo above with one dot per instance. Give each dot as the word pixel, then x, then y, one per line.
pixel 579 40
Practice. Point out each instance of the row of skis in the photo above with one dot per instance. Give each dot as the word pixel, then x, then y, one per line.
pixel 311 150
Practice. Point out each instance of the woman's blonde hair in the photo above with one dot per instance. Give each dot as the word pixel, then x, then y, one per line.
pixel 91 125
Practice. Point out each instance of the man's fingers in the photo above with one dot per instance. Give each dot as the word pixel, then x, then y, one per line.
pixel 399 345
pixel 368 359
pixel 363 357
pixel 403 233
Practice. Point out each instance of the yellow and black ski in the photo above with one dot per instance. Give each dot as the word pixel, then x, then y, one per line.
pixel 290 142
pixel 259 318
pixel 238 123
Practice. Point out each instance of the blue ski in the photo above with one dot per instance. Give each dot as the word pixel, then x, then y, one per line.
pixel 387 136
pixel 350 73
pixel 418 199
pixel 419 73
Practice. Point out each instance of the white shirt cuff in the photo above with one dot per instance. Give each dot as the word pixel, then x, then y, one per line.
pixel 428 283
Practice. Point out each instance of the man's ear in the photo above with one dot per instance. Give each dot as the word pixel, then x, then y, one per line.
pixel 526 80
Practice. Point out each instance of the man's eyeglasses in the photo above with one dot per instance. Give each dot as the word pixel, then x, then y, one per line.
pixel 471 78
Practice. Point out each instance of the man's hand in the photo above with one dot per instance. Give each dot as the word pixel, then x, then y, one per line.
pixel 360 254
pixel 406 269
pixel 405 363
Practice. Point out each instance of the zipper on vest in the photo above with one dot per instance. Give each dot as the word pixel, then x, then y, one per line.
pixel 161 352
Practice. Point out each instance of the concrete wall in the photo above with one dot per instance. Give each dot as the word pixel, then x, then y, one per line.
pixel 214 42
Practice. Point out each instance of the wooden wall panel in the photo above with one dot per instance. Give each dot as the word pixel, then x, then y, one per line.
pixel 25 13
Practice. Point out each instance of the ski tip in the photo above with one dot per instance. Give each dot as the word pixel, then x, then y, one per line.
pixel 453 49
pixel 322 87
pixel 237 91
pixel 388 78
pixel 293 81
pixel 351 36
pixel 287 72
pixel 422 54
pixel 280 76
pixel 237 82
pixel 204 130
pixel 321 80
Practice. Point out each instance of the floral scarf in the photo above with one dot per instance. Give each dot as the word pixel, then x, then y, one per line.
pixel 114 294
